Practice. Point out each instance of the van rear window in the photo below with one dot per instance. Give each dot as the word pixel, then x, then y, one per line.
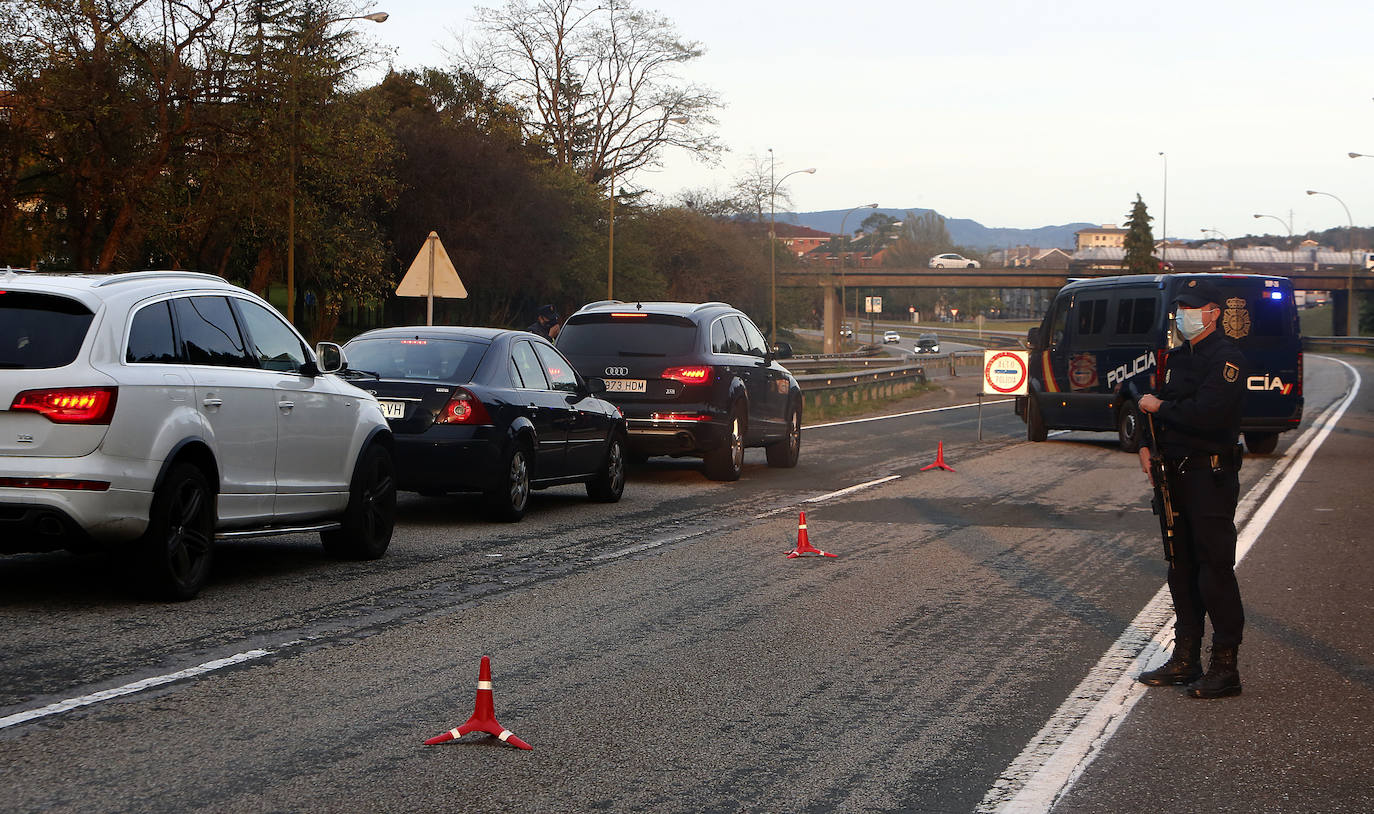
pixel 1268 312
pixel 40 330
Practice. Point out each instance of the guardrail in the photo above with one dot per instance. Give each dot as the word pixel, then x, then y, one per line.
pixel 1339 344
pixel 849 387
pixel 826 389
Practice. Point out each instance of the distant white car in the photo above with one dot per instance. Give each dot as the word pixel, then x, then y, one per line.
pixel 890 337
pixel 953 261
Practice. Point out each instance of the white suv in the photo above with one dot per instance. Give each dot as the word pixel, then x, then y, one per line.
pixel 157 411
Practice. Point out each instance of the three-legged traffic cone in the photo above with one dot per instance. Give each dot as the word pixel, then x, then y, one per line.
pixel 803 544
pixel 939 460
pixel 483 715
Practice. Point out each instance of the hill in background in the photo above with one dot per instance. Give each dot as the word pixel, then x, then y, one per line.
pixel 965 232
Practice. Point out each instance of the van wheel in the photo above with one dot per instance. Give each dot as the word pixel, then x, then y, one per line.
pixel 726 462
pixel 1261 443
pixel 1035 424
pixel 175 553
pixel 370 518
pixel 784 454
pixel 1129 427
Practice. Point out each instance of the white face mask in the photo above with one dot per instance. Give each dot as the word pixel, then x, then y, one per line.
pixel 1190 322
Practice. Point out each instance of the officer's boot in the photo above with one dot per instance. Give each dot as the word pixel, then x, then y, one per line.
pixel 1222 679
pixel 1183 667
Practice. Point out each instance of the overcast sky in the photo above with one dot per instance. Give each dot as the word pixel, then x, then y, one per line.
pixel 1023 114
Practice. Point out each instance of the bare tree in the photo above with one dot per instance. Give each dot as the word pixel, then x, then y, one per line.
pixel 598 80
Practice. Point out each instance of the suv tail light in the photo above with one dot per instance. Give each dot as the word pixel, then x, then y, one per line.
pixel 696 374
pixel 463 408
pixel 70 405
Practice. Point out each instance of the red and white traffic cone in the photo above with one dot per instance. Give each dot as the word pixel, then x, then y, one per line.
pixel 939 460
pixel 483 715
pixel 804 544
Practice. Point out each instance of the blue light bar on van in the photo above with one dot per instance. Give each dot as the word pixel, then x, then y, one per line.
pixel 1275 295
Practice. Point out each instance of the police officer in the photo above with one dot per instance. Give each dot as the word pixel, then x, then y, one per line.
pixel 546 323
pixel 1197 422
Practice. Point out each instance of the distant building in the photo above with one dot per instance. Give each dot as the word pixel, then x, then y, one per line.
pixel 800 239
pixel 1217 257
pixel 1106 236
pixel 1033 257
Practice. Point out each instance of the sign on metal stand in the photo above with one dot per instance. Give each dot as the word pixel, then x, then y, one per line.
pixel 432 275
pixel 1005 373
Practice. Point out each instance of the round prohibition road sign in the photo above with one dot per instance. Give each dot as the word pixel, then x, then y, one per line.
pixel 1004 372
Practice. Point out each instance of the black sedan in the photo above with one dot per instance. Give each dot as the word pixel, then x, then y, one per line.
pixel 494 411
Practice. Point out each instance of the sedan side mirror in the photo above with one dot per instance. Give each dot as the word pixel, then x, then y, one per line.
pixel 782 350
pixel 331 356
pixel 596 386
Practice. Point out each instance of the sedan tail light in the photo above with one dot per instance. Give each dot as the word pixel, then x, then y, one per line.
pixel 70 405
pixel 463 408
pixel 696 374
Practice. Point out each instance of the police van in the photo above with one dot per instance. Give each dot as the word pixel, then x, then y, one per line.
pixel 1101 333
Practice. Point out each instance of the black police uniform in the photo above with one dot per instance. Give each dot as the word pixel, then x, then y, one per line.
pixel 1197 428
pixel 541 328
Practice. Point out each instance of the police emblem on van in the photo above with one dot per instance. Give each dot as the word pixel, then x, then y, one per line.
pixel 1083 371
pixel 1236 320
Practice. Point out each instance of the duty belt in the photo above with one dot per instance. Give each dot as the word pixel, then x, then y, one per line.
pixel 1216 462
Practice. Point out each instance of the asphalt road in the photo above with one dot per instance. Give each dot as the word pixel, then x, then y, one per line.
pixel 663 654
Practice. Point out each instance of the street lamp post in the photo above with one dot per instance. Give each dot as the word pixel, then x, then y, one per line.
pixel 1352 325
pixel 844 236
pixel 1164 220
pixel 1287 224
pixel 610 233
pixel 772 238
pixel 376 17
pixel 1225 241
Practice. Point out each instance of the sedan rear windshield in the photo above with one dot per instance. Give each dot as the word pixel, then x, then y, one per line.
pixel 40 330
pixel 629 335
pixel 441 360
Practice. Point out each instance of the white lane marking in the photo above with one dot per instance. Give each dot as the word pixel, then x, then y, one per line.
pixel 902 415
pixel 1073 737
pixel 129 689
pixel 847 490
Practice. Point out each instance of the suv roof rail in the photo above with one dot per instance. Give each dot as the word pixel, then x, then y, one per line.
pixel 151 275
pixel 13 270
pixel 703 306
pixel 602 302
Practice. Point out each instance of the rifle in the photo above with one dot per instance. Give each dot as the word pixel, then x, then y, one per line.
pixel 1163 502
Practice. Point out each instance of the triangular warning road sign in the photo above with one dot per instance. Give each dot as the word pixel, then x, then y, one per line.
pixel 432 274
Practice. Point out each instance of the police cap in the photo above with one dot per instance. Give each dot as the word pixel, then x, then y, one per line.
pixel 1197 293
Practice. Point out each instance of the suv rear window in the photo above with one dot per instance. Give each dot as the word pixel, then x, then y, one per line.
pixel 636 335
pixel 40 330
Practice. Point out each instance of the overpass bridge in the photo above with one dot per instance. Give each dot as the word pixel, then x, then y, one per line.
pixel 1336 279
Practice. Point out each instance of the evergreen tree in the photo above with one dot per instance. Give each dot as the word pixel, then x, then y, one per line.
pixel 1140 241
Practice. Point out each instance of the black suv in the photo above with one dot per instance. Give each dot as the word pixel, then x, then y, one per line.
pixel 692 379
